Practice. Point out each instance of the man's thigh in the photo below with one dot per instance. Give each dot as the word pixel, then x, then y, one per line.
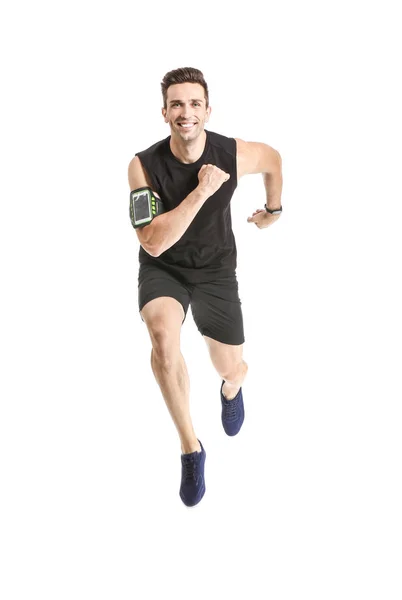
pixel 217 312
pixel 154 284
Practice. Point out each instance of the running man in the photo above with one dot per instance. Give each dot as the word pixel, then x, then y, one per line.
pixel 188 255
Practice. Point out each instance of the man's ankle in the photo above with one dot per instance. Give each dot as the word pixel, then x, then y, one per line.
pixel 229 391
pixel 189 446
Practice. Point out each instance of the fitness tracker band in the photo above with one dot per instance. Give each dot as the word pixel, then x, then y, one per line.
pixel 144 206
pixel 274 211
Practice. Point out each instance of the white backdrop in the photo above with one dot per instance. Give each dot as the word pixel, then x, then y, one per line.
pixel 305 501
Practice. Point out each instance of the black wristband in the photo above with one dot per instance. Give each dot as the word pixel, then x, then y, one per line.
pixel 273 211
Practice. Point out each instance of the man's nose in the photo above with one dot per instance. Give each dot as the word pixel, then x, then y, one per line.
pixel 186 111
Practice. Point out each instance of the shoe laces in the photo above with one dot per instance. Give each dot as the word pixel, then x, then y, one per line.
pixel 190 468
pixel 230 409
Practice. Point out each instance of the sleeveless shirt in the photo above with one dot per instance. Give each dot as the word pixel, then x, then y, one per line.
pixel 207 249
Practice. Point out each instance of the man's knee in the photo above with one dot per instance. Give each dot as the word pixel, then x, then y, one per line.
pixel 163 317
pixel 235 373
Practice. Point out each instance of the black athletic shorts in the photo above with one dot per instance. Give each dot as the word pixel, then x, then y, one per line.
pixel 215 306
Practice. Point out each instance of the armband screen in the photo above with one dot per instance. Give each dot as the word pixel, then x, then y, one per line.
pixel 142 209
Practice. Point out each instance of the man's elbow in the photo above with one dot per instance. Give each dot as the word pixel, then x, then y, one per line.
pixel 154 247
pixel 151 250
pixel 155 250
pixel 156 253
pixel 278 160
pixel 272 160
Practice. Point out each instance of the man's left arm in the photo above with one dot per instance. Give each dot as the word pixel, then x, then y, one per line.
pixel 256 157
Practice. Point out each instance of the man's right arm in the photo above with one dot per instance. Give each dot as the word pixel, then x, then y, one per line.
pixel 166 229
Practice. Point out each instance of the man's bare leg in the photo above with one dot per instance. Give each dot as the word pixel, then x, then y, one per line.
pixel 230 365
pixel 163 317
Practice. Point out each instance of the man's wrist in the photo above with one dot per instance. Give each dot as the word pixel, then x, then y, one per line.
pixel 202 193
pixel 273 210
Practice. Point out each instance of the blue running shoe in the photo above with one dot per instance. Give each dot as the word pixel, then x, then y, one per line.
pixel 192 486
pixel 232 412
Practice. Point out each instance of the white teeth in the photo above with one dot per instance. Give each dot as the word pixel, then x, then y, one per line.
pixel 187 125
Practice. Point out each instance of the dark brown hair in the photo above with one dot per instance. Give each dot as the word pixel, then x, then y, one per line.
pixel 184 75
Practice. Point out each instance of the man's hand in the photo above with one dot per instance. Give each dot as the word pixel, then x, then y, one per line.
pixel 211 178
pixel 262 219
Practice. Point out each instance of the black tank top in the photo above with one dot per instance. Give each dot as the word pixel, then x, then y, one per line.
pixel 207 249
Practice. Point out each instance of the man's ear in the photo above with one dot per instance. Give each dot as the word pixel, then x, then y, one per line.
pixel 164 115
pixel 208 114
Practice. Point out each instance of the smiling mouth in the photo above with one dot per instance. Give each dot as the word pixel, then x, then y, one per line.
pixel 186 125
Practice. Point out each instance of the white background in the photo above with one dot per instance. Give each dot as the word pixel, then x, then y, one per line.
pixel 305 502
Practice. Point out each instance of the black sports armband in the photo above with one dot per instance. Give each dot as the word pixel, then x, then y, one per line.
pixel 144 206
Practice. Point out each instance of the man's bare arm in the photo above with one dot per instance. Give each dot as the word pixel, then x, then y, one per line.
pixel 256 157
pixel 166 229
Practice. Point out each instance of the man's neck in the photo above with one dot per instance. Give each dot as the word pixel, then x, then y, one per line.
pixel 188 152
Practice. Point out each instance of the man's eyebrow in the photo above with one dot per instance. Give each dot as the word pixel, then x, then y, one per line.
pixel 180 101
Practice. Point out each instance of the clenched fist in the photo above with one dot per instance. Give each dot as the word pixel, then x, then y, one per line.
pixel 211 178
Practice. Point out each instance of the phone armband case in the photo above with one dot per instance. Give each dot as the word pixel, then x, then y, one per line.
pixel 144 206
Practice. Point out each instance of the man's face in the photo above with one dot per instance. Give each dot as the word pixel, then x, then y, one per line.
pixel 186 110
